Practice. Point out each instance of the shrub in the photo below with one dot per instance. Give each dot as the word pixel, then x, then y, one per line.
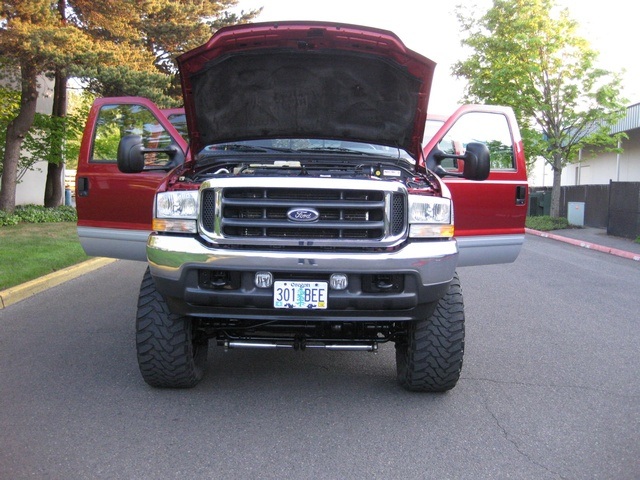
pixel 546 223
pixel 38 214
pixel 7 219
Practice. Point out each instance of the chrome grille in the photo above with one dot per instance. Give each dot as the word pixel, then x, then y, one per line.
pixel 249 214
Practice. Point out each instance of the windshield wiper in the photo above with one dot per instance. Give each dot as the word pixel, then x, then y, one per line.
pixel 243 148
pixel 334 150
pixel 233 147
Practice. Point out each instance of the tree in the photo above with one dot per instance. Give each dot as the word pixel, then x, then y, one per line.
pixel 33 40
pixel 9 108
pixel 160 30
pixel 45 131
pixel 527 54
pixel 53 190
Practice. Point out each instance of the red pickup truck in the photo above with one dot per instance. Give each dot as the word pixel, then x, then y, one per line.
pixel 297 202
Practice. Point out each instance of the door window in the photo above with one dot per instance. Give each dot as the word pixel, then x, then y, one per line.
pixel 491 129
pixel 116 121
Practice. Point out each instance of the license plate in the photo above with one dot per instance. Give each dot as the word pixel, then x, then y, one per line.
pixel 307 295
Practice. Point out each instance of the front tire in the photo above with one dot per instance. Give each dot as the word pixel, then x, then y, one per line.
pixel 170 353
pixel 429 359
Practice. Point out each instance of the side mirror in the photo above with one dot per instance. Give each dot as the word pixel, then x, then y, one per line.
pixel 476 162
pixel 131 154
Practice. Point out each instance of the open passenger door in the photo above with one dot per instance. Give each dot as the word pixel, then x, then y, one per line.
pixel 489 215
pixel 114 208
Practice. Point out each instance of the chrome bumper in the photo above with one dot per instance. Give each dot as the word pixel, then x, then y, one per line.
pixel 434 262
pixel 176 264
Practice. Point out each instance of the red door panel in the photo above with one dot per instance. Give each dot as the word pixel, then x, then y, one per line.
pixel 115 208
pixel 489 215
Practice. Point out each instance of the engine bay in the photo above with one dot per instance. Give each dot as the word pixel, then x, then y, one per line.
pixel 333 167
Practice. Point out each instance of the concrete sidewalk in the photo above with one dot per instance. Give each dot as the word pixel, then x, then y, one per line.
pixel 594 239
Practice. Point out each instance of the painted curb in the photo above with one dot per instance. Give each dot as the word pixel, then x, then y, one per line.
pixel 20 292
pixel 587 245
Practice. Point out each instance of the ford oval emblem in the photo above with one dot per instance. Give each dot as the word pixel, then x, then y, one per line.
pixel 303 214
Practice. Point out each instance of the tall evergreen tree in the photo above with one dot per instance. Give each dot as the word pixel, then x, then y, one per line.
pixel 159 31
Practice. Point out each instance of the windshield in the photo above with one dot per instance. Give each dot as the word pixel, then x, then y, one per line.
pixel 292 145
pixel 179 121
pixel 431 127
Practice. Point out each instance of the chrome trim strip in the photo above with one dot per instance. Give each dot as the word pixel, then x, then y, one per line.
pixel 488 249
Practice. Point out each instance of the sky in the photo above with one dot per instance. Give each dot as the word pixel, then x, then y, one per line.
pixel 430 27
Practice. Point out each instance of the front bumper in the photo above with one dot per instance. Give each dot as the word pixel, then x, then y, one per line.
pixel 176 262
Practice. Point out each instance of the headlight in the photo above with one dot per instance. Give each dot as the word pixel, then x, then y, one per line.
pixel 430 217
pixel 176 211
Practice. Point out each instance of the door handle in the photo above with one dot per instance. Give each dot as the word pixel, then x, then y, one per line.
pixel 521 194
pixel 82 186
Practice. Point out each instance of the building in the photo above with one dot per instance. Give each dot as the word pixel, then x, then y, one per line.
pixel 600 168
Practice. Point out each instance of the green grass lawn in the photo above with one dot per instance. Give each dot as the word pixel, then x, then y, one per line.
pixel 30 250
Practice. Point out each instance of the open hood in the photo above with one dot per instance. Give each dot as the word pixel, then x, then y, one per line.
pixel 306 80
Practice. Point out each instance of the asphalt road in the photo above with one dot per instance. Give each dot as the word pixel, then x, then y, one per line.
pixel 550 389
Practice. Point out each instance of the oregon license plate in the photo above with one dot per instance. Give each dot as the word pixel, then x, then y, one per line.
pixel 295 294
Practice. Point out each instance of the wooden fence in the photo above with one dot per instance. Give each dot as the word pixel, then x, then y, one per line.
pixel 615 207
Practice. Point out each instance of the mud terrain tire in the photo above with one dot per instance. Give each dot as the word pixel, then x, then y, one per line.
pixel 169 353
pixel 430 358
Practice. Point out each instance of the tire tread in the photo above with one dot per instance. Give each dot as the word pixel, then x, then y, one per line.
pixel 431 358
pixel 167 356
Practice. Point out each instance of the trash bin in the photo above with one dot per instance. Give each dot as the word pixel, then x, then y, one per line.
pixel 575 213
pixel 534 204
pixel 539 203
pixel 67 197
